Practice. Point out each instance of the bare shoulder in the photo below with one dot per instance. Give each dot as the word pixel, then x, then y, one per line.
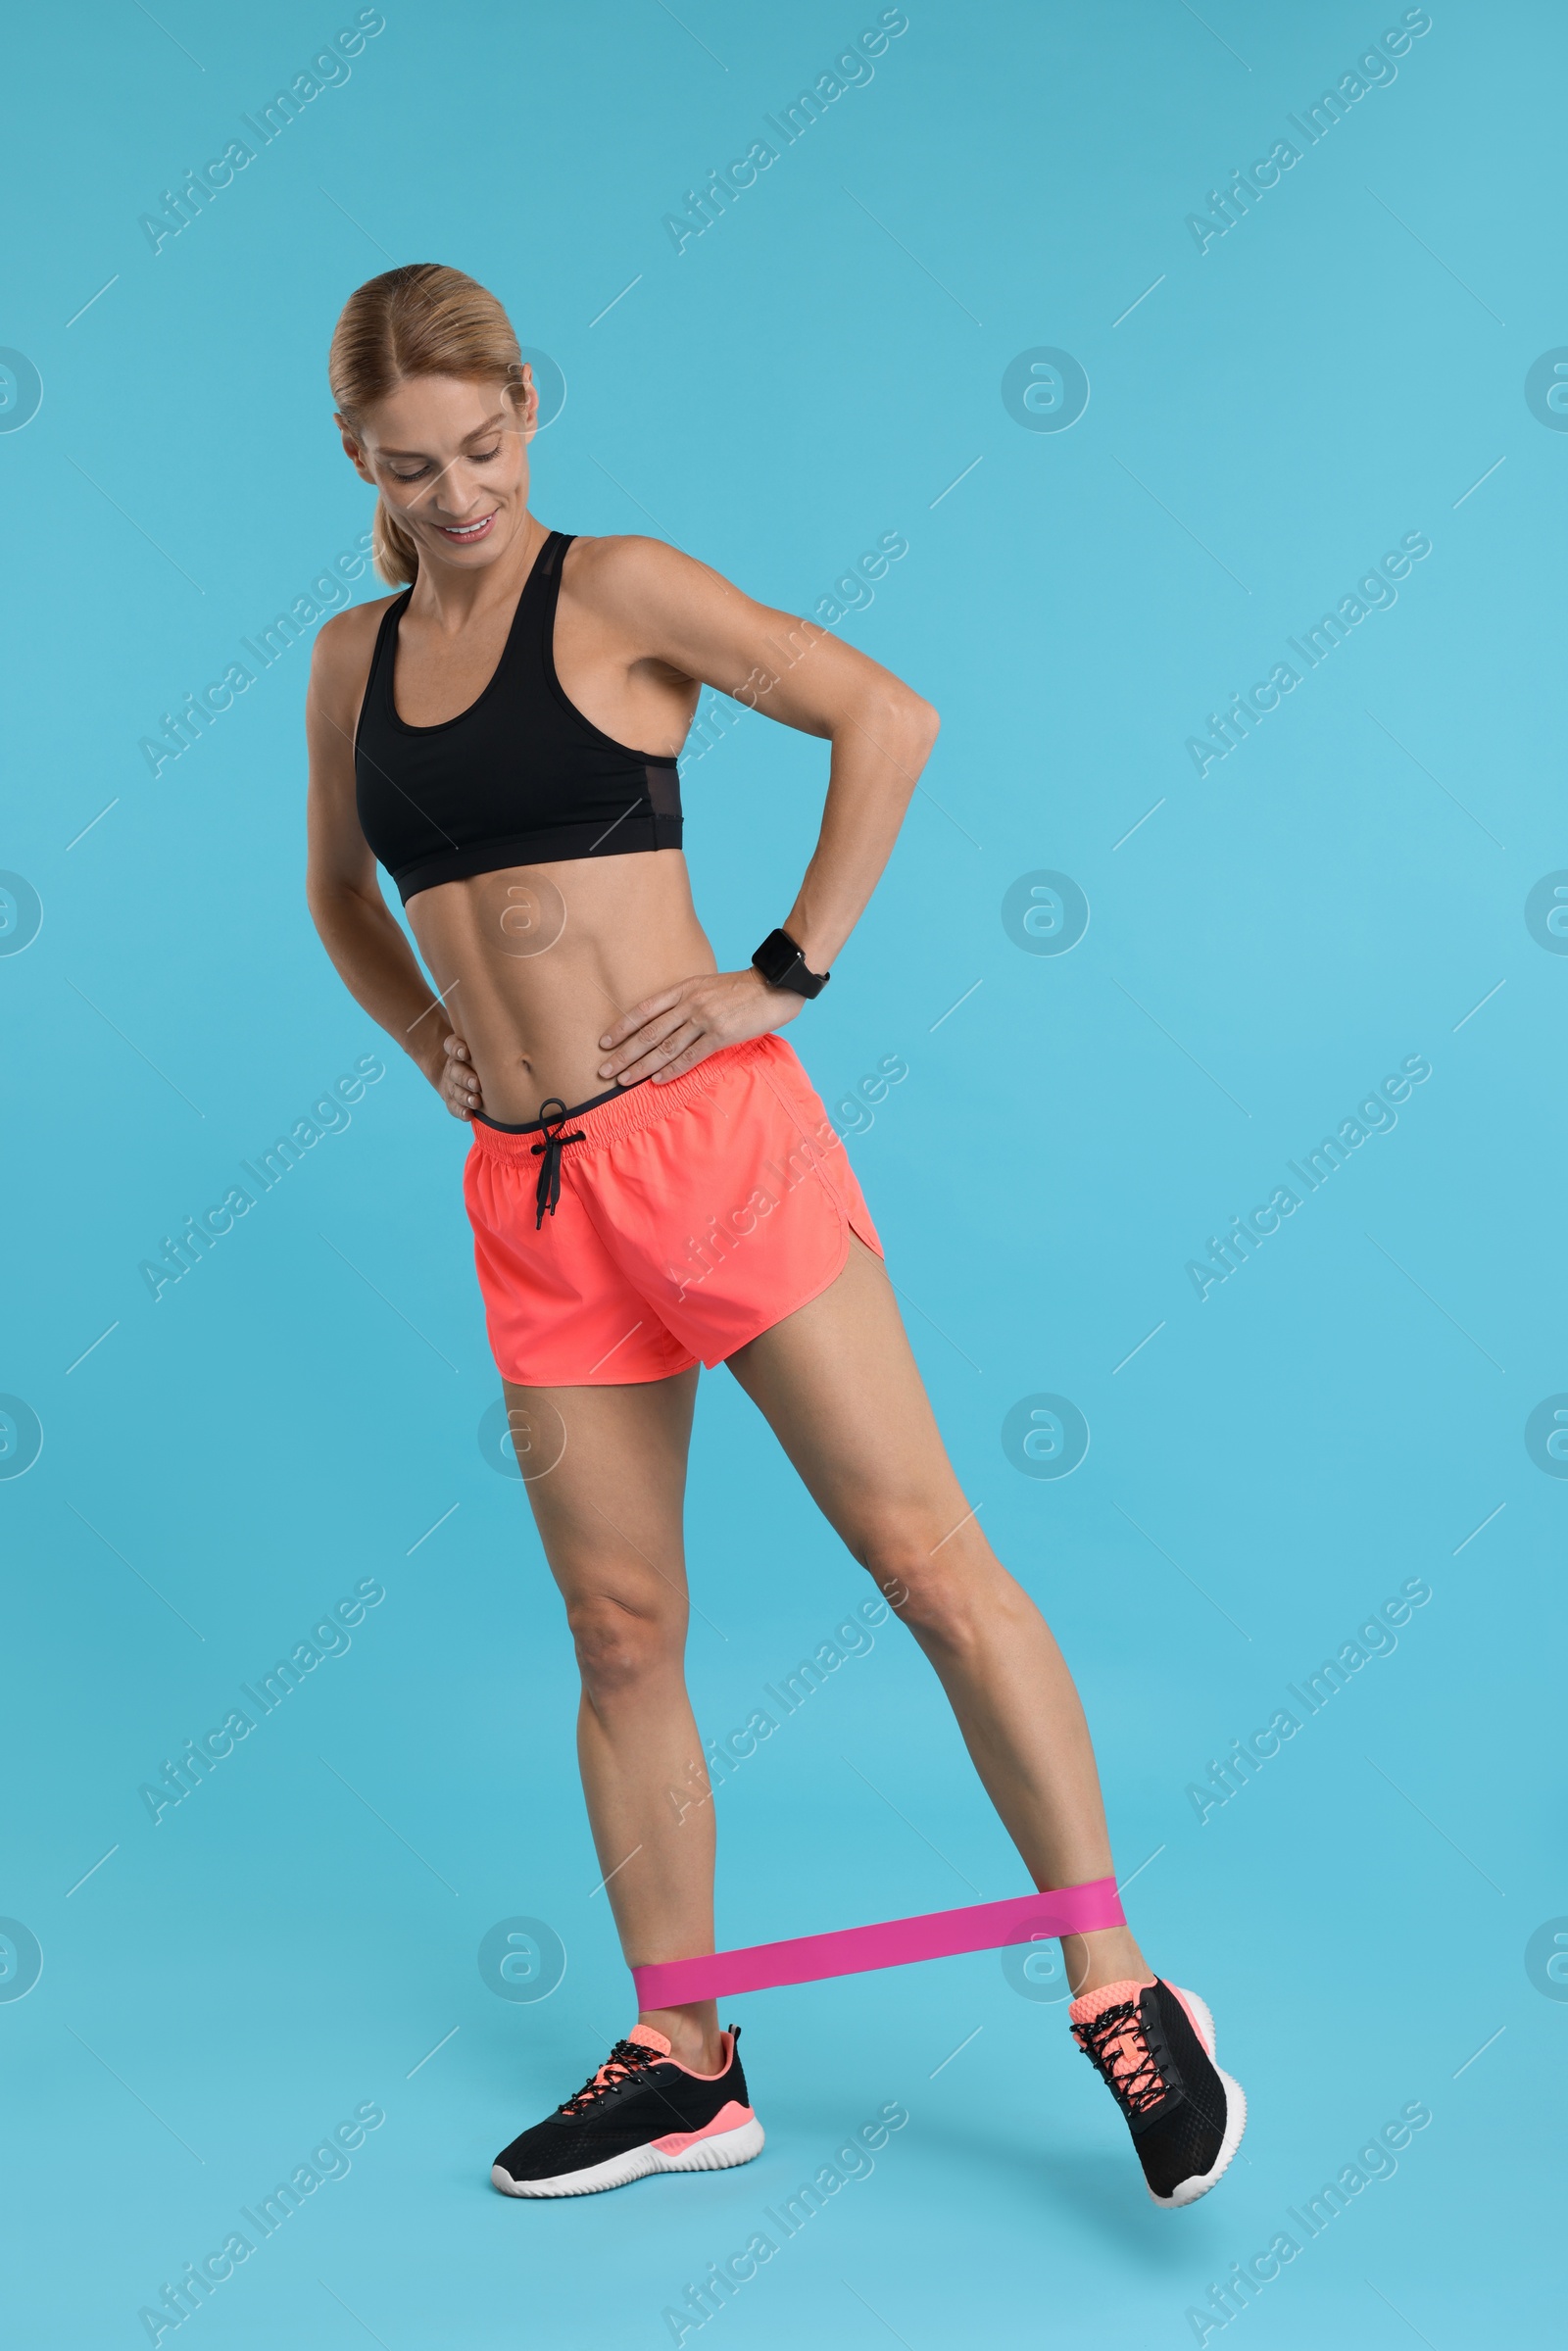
pixel 340 659
pixel 625 576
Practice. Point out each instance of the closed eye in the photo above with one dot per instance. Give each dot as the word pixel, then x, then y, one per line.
pixel 479 456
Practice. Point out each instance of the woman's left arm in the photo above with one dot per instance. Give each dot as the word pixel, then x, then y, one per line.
pixel 686 617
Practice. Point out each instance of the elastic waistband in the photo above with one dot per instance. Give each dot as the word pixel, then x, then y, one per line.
pixel 537 1126
pixel 626 1109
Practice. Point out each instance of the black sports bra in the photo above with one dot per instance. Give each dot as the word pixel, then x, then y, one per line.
pixel 518 778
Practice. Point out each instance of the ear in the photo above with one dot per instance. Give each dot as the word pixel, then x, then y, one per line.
pixel 524 394
pixel 352 450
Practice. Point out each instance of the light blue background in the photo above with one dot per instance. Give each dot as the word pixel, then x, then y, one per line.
pixel 1340 892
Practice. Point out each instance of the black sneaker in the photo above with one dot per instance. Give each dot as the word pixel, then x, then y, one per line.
pixel 642 2112
pixel 1152 2045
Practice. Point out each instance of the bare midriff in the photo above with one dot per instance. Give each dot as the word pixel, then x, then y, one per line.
pixel 535 964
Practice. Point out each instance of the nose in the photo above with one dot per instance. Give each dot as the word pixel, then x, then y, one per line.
pixel 459 495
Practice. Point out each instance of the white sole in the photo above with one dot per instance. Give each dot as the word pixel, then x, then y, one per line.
pixel 1235 2115
pixel 716 2154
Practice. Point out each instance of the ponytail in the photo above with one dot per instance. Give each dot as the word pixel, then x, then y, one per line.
pixel 392 550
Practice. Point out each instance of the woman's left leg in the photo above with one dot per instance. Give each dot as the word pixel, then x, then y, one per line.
pixel 840 1387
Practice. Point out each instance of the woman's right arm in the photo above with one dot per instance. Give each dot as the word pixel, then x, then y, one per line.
pixel 371 954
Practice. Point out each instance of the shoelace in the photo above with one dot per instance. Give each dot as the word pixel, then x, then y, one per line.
pixel 625 2058
pixel 1117 2043
pixel 548 1189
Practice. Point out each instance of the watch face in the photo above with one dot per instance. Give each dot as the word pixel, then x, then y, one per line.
pixel 782 966
pixel 774 957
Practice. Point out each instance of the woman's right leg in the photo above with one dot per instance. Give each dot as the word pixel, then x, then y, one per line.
pixel 608 1514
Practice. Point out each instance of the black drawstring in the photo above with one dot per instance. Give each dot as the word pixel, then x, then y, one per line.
pixel 548 1189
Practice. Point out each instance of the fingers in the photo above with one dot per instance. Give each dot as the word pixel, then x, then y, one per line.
pixel 459 1081
pixel 698 1050
pixel 656 1056
pixel 645 1040
pixel 630 1022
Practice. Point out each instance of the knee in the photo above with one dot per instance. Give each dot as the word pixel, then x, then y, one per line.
pixel 938 1588
pixel 623 1645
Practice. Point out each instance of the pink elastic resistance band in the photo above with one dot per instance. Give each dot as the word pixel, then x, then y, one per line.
pixel 893 1942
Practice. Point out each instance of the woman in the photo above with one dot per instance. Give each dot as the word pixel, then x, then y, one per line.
pixel 652 1181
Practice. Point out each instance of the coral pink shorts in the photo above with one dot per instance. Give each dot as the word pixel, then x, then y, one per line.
pixel 686 1219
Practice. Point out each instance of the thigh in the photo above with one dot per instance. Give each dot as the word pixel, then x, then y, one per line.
pixel 840 1387
pixel 605 1469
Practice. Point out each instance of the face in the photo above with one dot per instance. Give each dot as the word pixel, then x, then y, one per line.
pixel 451 458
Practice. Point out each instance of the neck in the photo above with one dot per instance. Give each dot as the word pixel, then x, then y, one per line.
pixel 451 595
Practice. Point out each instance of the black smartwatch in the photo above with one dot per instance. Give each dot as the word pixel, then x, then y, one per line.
pixel 782 964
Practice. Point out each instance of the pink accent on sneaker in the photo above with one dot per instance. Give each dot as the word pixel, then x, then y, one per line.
pixel 1083 2010
pixel 1132 2066
pixel 615 2069
pixel 1091 2004
pixel 730 2117
pixel 652 2038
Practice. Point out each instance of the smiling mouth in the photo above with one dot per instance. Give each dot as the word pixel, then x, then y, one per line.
pixel 464 532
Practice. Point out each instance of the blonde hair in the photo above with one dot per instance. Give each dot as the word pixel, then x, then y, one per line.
pixel 420 319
